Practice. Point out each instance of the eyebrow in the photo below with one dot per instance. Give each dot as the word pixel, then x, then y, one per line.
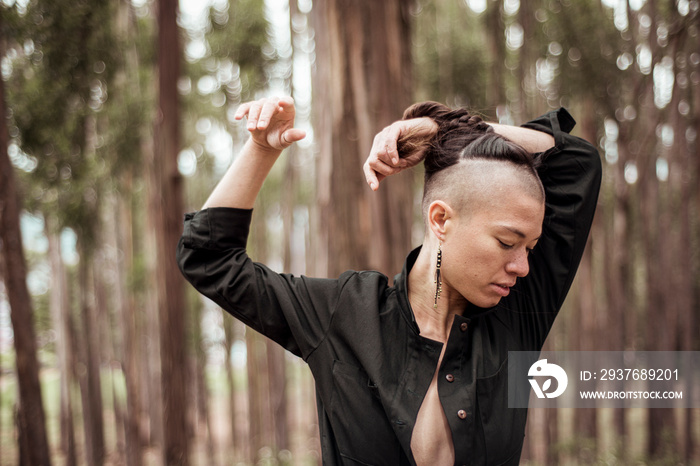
pixel 518 232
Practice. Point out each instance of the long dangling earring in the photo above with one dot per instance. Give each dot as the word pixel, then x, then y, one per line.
pixel 438 279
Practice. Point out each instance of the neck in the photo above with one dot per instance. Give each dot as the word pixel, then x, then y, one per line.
pixel 434 322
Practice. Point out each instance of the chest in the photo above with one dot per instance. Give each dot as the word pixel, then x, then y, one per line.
pixel 373 375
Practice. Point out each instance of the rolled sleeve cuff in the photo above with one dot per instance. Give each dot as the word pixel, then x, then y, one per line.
pixel 556 123
pixel 217 228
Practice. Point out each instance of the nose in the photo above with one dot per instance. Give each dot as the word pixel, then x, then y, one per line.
pixel 519 265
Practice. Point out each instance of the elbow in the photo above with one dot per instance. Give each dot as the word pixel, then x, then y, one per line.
pixel 187 262
pixel 590 163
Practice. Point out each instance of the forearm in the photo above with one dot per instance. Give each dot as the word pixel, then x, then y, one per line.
pixel 529 139
pixel 241 184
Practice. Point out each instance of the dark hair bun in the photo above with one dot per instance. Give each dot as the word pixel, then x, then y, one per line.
pixel 445 117
pixel 456 129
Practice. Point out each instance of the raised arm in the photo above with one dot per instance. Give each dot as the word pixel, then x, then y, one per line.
pixel 271 126
pixel 529 139
pixel 389 155
pixel 293 311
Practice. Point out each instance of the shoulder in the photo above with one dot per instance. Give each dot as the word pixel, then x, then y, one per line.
pixel 366 283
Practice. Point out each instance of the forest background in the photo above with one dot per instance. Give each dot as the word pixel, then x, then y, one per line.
pixel 119 120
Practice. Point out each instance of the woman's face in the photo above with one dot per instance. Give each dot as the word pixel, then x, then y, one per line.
pixel 486 249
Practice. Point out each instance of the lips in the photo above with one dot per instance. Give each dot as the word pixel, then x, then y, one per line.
pixel 502 289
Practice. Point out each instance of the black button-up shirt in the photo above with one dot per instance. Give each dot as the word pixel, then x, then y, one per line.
pixel 358 334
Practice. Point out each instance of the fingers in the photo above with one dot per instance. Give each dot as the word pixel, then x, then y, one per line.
pixel 268 109
pixel 384 146
pixel 371 176
pixel 384 159
pixel 286 102
pixel 260 112
pixel 242 110
pixel 391 135
pixel 376 170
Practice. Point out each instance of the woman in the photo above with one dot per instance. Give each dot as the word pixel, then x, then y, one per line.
pixel 415 373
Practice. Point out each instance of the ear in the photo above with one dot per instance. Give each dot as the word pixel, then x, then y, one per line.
pixel 439 212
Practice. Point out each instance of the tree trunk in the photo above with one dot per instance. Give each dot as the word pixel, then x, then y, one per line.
pixel 585 418
pixel 362 83
pixel 106 335
pixel 60 313
pixel 14 272
pixel 128 78
pixel 237 434
pixel 616 273
pixel 526 57
pixel 497 46
pixel 443 9
pixel 257 399
pixel 199 363
pixel 168 192
pixel 277 382
pixel 151 379
pixel 89 350
pixel 123 239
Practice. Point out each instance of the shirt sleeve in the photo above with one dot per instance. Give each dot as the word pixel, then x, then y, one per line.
pixel 293 311
pixel 571 175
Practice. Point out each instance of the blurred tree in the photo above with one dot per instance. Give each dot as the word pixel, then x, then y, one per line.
pixel 61 71
pixel 167 214
pixel 362 83
pixel 130 140
pixel 33 443
pixel 60 312
pixel 233 66
pixel 450 63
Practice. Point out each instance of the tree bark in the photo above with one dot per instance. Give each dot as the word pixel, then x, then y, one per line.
pixel 168 192
pixel 585 418
pixel 89 375
pixel 201 401
pixel 60 313
pixel 277 383
pixel 236 433
pixel 497 45
pixel 106 335
pixel 14 272
pixel 128 78
pixel 257 399
pixel 362 83
pixel 123 222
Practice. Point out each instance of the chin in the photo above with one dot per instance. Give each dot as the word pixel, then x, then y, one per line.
pixel 486 302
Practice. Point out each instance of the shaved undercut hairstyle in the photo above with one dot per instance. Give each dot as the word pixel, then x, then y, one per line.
pixel 464 154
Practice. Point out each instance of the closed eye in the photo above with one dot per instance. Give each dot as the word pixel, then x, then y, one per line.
pixel 505 245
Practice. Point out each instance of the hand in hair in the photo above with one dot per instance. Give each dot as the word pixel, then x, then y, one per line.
pixel 399 146
pixel 271 122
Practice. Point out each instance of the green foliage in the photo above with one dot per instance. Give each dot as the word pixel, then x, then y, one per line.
pixel 456 74
pixel 238 53
pixel 240 34
pixel 588 46
pixel 65 58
